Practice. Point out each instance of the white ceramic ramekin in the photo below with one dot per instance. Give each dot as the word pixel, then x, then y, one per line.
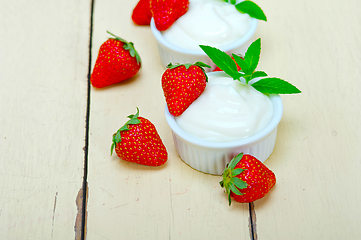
pixel 170 53
pixel 212 157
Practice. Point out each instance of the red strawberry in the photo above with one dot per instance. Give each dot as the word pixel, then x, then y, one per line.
pixel 117 61
pixel 217 69
pixel 166 12
pixel 138 142
pixel 247 179
pixel 182 84
pixel 141 13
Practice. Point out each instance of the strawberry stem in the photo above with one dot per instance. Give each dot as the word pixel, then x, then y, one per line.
pixel 127 46
pixel 202 65
pixel 230 182
pixel 117 136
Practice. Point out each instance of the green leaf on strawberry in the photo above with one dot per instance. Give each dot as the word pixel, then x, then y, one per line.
pixel 117 136
pixel 182 84
pixel 246 179
pixel 139 142
pixel 128 46
pixel 117 61
pixel 266 85
pixel 202 65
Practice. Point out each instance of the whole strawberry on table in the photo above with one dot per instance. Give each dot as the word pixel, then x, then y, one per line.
pixel 117 61
pixel 182 84
pixel 139 142
pixel 247 179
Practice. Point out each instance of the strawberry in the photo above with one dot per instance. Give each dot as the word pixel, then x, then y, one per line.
pixel 217 69
pixel 182 84
pixel 141 13
pixel 166 12
pixel 247 179
pixel 117 61
pixel 139 142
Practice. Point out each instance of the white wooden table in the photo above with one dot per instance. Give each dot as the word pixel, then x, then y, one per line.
pixel 55 130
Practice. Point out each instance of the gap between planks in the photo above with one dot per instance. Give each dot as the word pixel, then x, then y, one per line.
pixel 82 197
pixel 252 222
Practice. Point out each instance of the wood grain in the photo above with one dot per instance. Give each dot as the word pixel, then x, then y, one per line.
pixel 44 61
pixel 43 95
pixel 137 202
pixel 316 46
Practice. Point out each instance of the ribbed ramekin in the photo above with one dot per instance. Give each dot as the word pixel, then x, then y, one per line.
pixel 212 157
pixel 170 53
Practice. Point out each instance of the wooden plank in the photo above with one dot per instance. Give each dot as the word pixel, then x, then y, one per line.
pixel 43 96
pixel 129 201
pixel 316 160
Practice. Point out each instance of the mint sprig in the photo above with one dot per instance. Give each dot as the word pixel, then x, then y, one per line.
pixel 222 60
pixel 266 85
pixel 250 8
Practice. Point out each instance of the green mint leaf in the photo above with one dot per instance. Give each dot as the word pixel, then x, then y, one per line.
pixel 252 56
pixel 247 77
pixel 222 60
pixel 275 86
pixel 243 65
pixel 258 74
pixel 239 183
pixel 252 9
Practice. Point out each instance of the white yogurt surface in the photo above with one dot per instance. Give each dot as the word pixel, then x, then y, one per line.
pixel 208 22
pixel 227 110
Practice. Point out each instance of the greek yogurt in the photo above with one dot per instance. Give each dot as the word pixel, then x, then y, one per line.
pixel 208 22
pixel 227 110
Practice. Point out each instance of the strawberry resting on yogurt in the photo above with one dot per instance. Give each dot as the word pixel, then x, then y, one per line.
pixel 211 22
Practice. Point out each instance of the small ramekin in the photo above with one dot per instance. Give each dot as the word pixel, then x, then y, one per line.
pixel 170 53
pixel 212 157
